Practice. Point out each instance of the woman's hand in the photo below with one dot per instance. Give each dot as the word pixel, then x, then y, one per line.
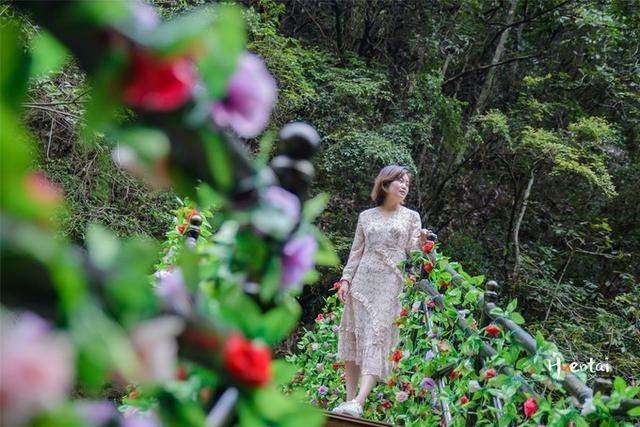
pixel 342 292
pixel 426 234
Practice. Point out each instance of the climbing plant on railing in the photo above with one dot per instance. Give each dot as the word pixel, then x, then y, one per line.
pixel 194 346
pixel 439 375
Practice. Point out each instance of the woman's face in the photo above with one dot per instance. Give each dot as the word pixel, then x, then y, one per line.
pixel 398 188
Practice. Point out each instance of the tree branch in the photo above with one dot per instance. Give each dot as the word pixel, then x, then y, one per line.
pixel 484 67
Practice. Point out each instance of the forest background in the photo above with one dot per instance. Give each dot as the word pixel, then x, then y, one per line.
pixel 519 119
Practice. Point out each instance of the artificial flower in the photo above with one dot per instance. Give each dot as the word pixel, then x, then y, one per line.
pixel 251 95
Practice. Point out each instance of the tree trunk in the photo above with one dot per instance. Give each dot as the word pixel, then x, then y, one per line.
pixel 516 227
pixel 497 56
pixel 338 14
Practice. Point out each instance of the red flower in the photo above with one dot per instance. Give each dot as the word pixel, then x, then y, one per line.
pixel 159 84
pixel 464 399
pixel 206 394
pixel 453 375
pixel 428 246
pixel 492 330
pixel 445 284
pixel 397 356
pixel 408 388
pixel 336 365
pixel 386 404
pixel 320 317
pixel 180 228
pixel 246 361
pixel 404 312
pixel 391 382
pixel 336 285
pixel 474 325
pixel 428 267
pixel 489 374
pixel 431 303
pixel 300 378
pixel 181 373
pixel 530 407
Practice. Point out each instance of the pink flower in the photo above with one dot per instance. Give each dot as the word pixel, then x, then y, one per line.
pixel 155 344
pixel 251 95
pixel 530 407
pixel 401 396
pixel 297 259
pixel 41 190
pixel 36 367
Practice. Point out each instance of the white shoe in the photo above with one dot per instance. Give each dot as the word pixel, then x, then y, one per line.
pixel 352 408
pixel 339 409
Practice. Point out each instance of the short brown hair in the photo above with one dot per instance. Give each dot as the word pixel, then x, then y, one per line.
pixel 387 175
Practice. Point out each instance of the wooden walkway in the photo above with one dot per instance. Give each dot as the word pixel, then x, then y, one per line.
pixel 335 420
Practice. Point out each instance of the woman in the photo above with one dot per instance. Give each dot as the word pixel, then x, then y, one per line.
pixel 371 283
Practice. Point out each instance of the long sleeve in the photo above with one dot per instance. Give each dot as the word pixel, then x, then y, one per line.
pixel 357 248
pixel 413 240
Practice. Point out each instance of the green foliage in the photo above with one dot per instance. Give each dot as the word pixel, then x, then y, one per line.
pixel 403 398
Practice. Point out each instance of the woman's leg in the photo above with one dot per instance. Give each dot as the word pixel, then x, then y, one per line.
pixel 367 384
pixel 351 376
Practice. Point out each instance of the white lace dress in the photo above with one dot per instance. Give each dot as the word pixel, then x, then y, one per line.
pixel 367 332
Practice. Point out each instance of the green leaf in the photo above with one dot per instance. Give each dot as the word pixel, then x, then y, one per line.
pixel 314 207
pixel 326 254
pixel 47 54
pixel 619 385
pixel 225 42
pixel 103 246
pixel 634 412
pixel 496 311
pixel 512 305
pixel 517 318
pixel 219 161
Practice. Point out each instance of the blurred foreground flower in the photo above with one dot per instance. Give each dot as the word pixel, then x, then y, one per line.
pixel 41 190
pixel 159 84
pixel 155 344
pixel 173 292
pixel 246 361
pixel 297 259
pixel 251 95
pixel 36 367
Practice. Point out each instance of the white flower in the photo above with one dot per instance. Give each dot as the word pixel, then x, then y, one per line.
pixel 155 344
pixel 315 346
pixel 416 306
pixel 320 367
pixel 474 386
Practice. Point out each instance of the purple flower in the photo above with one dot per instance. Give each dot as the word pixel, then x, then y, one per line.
pixel 251 95
pixel 322 390
pixel 297 259
pixel 335 329
pixel 97 413
pixel 284 200
pixel 36 367
pixel 379 396
pixel 172 291
pixel 427 383
pixel 429 355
